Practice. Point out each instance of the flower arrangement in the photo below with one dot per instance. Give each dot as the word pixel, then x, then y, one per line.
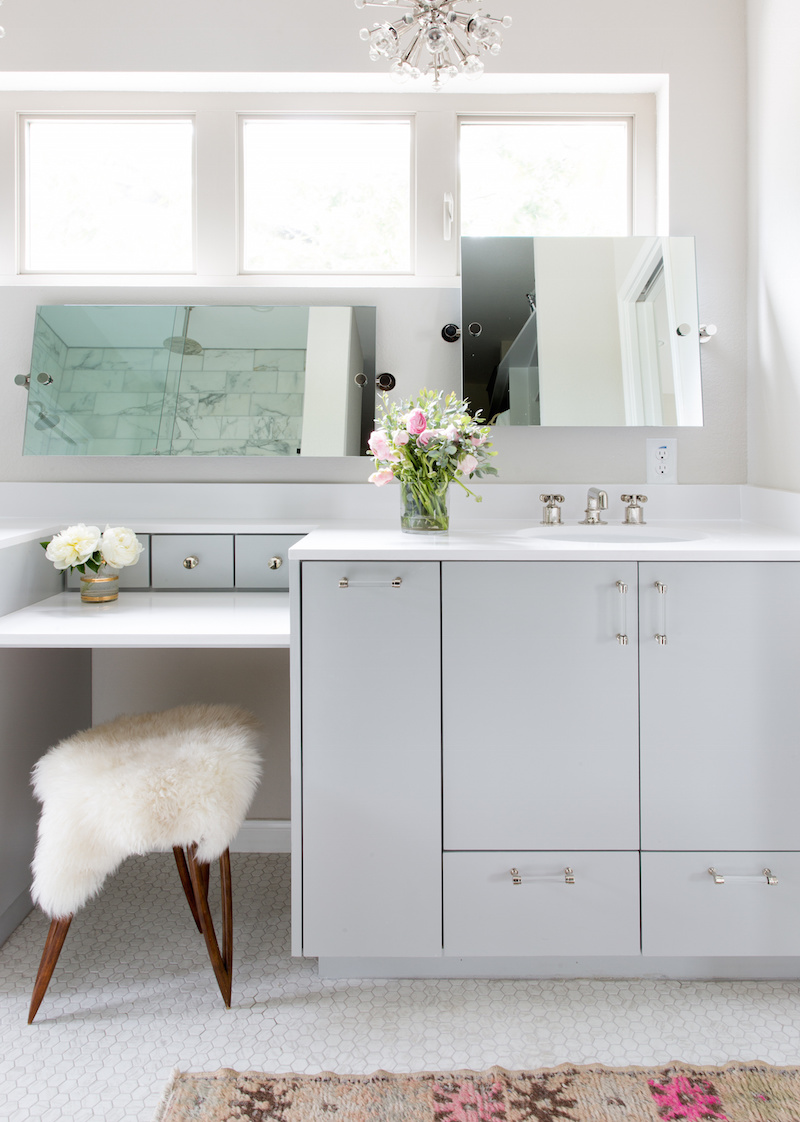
pixel 427 444
pixel 84 547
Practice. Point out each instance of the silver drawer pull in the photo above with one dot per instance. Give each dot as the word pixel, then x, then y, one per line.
pixel 661 634
pixel 765 873
pixel 274 563
pixel 568 875
pixel 622 634
pixel 345 582
pixel 191 562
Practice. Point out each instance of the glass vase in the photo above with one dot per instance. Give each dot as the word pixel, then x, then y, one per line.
pixel 99 587
pixel 423 511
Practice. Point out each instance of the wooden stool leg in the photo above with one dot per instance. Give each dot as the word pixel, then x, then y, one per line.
pixel 186 881
pixel 221 962
pixel 52 949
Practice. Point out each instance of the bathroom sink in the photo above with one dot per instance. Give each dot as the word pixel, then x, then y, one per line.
pixel 606 535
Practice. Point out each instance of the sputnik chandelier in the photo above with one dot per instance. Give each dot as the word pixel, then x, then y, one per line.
pixel 435 32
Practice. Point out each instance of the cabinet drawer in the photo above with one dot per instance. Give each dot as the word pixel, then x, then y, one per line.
pixel 684 912
pixel 485 913
pixel 132 576
pixel 260 560
pixel 213 555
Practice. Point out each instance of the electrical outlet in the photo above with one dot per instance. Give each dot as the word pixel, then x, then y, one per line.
pixel 662 460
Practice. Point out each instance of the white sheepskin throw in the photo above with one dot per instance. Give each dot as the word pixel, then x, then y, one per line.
pixel 137 784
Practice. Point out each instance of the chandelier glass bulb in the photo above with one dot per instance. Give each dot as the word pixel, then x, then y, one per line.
pixel 453 38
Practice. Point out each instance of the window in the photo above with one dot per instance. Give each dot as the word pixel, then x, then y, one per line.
pixel 113 195
pixel 326 195
pixel 544 177
pixel 294 187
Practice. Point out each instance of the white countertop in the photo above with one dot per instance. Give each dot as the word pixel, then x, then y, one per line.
pixel 529 541
pixel 152 619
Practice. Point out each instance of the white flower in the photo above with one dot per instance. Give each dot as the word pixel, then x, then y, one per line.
pixel 120 547
pixel 73 546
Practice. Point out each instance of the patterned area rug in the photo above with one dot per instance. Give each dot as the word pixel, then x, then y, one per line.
pixel 736 1093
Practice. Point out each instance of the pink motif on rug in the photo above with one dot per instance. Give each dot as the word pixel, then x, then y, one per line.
pixel 683 1099
pixel 468 1102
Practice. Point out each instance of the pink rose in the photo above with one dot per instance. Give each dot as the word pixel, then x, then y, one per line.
pixel 385 475
pixel 416 422
pixel 427 436
pixel 379 446
pixel 452 434
pixel 477 440
pixel 401 437
pixel 467 464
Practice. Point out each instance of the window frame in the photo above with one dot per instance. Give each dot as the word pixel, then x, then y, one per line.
pixel 24 120
pixel 217 176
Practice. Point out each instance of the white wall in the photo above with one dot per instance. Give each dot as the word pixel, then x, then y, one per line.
pixel 698 44
pixel 774 399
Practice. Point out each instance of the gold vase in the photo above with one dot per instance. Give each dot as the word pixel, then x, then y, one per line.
pixel 99 587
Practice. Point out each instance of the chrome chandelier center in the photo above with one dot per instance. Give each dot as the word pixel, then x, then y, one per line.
pixel 433 37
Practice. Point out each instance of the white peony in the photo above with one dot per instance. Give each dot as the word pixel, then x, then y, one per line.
pixel 120 547
pixel 73 546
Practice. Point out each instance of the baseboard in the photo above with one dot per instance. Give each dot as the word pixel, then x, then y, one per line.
pixel 263 835
pixel 14 914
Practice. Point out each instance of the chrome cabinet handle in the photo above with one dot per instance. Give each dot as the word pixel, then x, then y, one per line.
pixel 274 563
pixel 568 875
pixel 622 634
pixel 661 635
pixel 345 582
pixel 191 562
pixel 719 878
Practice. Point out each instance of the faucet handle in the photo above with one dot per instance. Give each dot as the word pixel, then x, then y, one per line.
pixel 633 511
pixel 551 515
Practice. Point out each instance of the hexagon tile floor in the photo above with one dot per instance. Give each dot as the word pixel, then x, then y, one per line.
pixel 133 997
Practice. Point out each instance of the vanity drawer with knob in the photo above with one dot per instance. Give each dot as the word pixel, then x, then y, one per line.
pixel 261 560
pixel 199 561
pixel 707 904
pixel 518 902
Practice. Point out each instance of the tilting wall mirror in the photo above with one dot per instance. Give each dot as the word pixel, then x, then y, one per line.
pixel 581 331
pixel 191 380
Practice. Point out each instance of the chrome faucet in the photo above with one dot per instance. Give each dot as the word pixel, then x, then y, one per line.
pixel 596 500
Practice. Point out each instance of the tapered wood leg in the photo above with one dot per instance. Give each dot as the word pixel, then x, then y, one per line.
pixel 222 962
pixel 186 881
pixel 52 949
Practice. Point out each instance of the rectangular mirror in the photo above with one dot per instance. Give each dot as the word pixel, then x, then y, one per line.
pixel 192 380
pixel 581 331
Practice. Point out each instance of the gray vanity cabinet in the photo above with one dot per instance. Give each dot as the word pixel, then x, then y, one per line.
pixel 719 757
pixel 540 758
pixel 371 785
pixel 540 709
pixel 720 750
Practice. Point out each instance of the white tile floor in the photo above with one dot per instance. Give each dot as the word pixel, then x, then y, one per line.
pixel 133 997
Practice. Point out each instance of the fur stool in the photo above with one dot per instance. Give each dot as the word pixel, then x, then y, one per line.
pixel 181 779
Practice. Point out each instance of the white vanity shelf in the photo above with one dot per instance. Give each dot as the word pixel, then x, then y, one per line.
pixel 152 619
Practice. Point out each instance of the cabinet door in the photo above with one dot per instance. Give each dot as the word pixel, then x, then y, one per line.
pixel 540 705
pixel 719 753
pixel 371 744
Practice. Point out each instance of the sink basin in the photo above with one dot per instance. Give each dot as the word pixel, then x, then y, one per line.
pixel 607 535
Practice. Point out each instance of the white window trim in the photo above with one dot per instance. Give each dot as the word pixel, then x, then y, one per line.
pixel 217 217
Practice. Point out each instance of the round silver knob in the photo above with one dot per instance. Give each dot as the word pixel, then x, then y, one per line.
pixel 44 379
pixel 684 329
pixel 191 562
pixel 274 562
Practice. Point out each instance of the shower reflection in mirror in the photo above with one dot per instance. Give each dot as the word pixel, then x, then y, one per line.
pixel 197 380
